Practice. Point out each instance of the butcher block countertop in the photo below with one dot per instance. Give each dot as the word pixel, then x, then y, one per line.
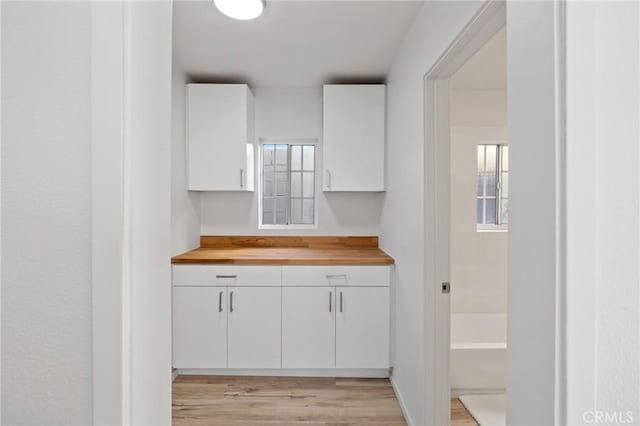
pixel 267 250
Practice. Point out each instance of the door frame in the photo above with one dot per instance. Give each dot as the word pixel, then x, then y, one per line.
pixel 489 19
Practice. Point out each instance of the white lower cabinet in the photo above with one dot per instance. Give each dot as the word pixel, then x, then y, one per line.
pixel 362 327
pixel 315 320
pixel 308 327
pixel 254 327
pixel 199 327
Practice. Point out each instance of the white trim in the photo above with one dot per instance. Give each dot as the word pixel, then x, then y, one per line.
pixel 401 402
pixel 492 228
pixel 284 372
pixel 490 18
pixel 560 169
pixel 456 393
pixel 0 207
pixel 110 351
pixel 286 227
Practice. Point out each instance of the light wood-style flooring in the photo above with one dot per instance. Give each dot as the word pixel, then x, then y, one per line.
pixel 288 401
pixel 459 414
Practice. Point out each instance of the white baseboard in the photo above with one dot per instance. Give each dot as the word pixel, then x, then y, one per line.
pixel 403 407
pixel 174 374
pixel 281 372
pixel 455 393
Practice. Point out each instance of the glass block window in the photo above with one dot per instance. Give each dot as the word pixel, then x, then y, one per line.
pixel 288 184
pixel 492 198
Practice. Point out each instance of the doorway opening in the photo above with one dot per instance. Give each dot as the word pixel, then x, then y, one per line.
pixel 466 217
pixel 479 221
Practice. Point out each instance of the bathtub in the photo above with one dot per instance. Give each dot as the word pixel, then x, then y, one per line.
pixel 478 360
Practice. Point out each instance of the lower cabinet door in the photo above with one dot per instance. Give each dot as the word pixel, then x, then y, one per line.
pixel 308 327
pixel 199 327
pixel 254 327
pixel 362 327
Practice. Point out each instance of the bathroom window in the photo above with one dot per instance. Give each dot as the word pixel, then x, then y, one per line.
pixel 288 185
pixel 492 199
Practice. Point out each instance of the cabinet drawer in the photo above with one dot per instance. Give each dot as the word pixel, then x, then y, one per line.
pixel 336 276
pixel 226 275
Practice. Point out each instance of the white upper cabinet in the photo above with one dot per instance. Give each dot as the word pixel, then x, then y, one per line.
pixel 353 138
pixel 220 137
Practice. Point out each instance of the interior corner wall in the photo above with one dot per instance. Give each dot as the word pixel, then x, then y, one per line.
pixel 185 205
pixel 478 259
pixel 534 263
pixel 290 112
pixel 46 213
pixel 402 221
pixel 147 182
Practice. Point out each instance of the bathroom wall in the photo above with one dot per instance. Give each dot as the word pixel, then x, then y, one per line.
pixel 290 113
pixel 478 259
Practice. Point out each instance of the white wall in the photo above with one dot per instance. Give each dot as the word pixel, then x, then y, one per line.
pixel 185 205
pixel 478 259
pixel 148 183
pixel 402 221
pixel 46 216
pixel 603 212
pixel 535 225
pixel 291 113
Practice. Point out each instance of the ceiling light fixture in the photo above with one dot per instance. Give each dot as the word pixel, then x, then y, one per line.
pixel 241 9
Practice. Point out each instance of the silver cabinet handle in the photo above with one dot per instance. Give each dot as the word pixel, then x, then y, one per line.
pixel 241 178
pixel 328 176
pixel 231 302
pixel 220 301
pixel 330 300
pixel 226 276
pixel 340 301
pixel 329 276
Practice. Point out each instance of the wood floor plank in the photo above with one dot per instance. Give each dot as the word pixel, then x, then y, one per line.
pixel 459 414
pixel 284 401
pixel 291 401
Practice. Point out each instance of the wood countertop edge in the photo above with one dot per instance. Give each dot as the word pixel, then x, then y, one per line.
pixel 284 262
pixel 291 250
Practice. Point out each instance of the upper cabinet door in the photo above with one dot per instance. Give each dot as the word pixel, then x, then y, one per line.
pixel 353 138
pixel 220 137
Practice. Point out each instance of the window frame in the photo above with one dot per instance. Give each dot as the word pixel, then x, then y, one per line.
pixel 288 141
pixel 498 226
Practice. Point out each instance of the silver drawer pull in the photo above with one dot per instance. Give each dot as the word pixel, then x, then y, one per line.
pixel 226 276
pixel 329 276
pixel 330 300
pixel 220 301
pixel 231 302
pixel 340 301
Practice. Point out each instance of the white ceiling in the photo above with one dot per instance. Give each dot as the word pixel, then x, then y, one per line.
pixel 293 43
pixel 487 69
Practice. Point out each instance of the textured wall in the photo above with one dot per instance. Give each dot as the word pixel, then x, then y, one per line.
pixel 46 277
